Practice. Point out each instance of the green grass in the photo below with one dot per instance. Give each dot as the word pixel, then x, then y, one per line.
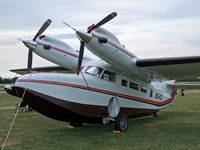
pixel 2 85
pixel 176 128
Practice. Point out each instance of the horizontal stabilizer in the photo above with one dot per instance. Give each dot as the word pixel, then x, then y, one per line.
pixel 43 69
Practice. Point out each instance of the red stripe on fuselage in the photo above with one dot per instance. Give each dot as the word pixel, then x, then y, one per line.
pixel 104 91
pixel 61 50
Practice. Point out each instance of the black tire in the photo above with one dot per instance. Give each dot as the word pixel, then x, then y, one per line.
pixel 75 124
pixel 155 114
pixel 121 122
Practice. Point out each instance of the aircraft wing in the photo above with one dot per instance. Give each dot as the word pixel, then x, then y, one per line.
pixel 172 68
pixel 184 85
pixel 43 69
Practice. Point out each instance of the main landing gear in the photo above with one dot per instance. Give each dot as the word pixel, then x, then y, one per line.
pixel 121 122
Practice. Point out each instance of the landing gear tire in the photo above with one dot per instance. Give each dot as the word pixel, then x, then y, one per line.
pixel 155 114
pixel 121 122
pixel 75 124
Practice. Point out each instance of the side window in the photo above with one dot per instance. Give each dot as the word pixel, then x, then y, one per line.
pixel 107 75
pixel 143 89
pixel 134 86
pixel 124 82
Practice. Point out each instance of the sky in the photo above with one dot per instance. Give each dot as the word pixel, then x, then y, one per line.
pixel 148 28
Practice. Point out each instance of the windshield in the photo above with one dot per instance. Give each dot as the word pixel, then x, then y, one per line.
pixel 94 71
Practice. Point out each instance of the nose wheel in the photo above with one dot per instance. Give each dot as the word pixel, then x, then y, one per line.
pixel 121 122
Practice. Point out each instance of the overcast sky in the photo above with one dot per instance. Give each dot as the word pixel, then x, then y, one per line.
pixel 148 28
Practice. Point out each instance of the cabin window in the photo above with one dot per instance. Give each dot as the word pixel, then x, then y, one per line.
pixel 94 71
pixel 124 82
pixel 133 86
pixel 151 93
pixel 143 89
pixel 107 75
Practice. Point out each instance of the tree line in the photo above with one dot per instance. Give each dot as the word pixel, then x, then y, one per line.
pixel 8 80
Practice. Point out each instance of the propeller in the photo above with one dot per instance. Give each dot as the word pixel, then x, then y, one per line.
pixel 82 41
pixel 30 53
pixel 80 56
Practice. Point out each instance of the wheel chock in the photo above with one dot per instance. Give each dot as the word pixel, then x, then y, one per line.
pixel 71 127
pixel 116 131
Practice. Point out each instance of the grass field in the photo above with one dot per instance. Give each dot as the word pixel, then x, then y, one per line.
pixel 176 128
pixel 1 88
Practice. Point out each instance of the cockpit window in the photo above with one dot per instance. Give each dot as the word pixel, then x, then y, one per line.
pixel 107 75
pixel 94 71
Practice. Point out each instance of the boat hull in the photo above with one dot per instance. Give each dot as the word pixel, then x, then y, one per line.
pixel 63 110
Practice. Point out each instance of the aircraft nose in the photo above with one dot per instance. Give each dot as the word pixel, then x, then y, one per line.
pixel 86 37
pixel 30 44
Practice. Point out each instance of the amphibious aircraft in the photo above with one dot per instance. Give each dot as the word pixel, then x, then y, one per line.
pixel 113 89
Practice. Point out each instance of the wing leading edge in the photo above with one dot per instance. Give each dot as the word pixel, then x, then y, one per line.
pixel 174 67
pixel 184 85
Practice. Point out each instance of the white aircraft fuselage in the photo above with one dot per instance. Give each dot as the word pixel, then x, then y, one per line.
pixel 58 95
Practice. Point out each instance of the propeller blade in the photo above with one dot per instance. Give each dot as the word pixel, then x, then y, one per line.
pixel 42 29
pixel 80 57
pixel 103 21
pixel 69 26
pixel 30 57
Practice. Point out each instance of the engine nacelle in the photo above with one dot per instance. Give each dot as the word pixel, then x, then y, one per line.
pixel 105 45
pixel 57 52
